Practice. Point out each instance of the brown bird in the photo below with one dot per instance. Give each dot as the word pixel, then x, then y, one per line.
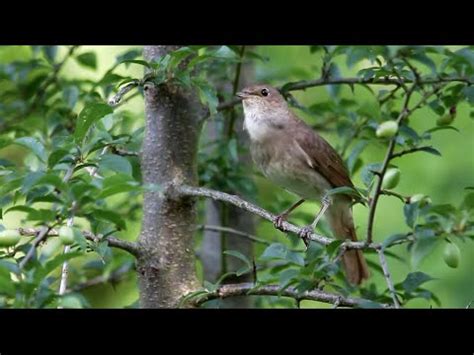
pixel 292 155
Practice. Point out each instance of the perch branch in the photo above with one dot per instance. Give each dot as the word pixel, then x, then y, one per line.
pixel 186 190
pixel 244 289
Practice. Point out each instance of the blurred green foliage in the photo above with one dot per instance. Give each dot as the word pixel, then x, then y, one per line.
pixel 54 120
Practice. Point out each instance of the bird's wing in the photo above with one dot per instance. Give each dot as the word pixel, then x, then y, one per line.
pixel 319 155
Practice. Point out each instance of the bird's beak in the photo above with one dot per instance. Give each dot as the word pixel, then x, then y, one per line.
pixel 242 94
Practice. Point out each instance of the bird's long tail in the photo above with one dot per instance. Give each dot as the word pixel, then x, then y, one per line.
pixel 340 219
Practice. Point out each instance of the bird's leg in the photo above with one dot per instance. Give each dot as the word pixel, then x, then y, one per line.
pixel 278 220
pixel 307 230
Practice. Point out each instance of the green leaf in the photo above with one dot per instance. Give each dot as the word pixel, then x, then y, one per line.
pixel 468 91
pixel 425 242
pixel 116 163
pixel 134 61
pixel 414 280
pixel 118 183
pixel 56 157
pixel 367 175
pixel 411 213
pixel 275 251
pixel 239 255
pixel 355 153
pixel 50 53
pixel 34 145
pixel 207 95
pixel 51 265
pixel 110 216
pixel 468 202
pixel 441 128
pixel 88 60
pixel 332 247
pixel 71 95
pixel 344 190
pixel 430 150
pixel 88 116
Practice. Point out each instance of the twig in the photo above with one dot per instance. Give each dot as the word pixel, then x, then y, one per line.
pixel 245 289
pixel 43 234
pixel 112 241
pixel 117 98
pixel 388 278
pixel 305 84
pixel 65 266
pixel 232 231
pixel 389 154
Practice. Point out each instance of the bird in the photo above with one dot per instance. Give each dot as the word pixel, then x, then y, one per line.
pixel 292 155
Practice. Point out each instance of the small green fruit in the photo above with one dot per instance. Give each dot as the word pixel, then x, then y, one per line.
pixel 391 178
pixel 71 301
pixel 451 255
pixel 9 238
pixel 422 199
pixel 387 129
pixel 66 235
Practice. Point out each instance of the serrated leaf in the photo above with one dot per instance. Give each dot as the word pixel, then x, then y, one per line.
pixel 88 116
pixel 34 145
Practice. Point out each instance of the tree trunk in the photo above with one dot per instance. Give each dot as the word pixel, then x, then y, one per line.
pixel 166 270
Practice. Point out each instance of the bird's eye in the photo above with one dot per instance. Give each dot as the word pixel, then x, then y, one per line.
pixel 264 92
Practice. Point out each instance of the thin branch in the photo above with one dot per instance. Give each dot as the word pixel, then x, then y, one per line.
pixel 389 154
pixel 409 151
pixel 388 277
pixel 232 231
pixel 245 289
pixel 123 152
pixel 41 234
pixel 65 267
pixel 305 84
pixel 117 98
pixel 114 242
pixel 185 190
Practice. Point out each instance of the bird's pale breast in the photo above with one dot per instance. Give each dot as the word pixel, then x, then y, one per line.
pixel 277 162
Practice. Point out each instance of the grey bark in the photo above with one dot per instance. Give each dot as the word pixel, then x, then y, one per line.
pixel 211 249
pixel 166 267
